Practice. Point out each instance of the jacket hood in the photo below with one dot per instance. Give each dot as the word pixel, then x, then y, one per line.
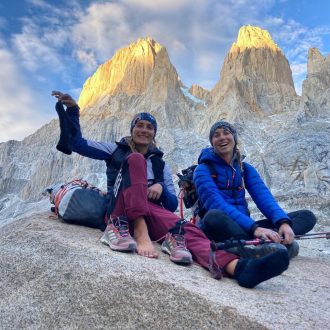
pixel 208 155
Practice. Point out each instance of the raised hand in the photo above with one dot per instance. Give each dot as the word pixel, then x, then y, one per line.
pixel 66 99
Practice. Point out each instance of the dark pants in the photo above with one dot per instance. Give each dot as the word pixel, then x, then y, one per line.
pixel 133 202
pixel 219 227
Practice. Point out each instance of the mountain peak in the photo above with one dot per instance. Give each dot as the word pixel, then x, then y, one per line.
pixel 128 71
pixel 253 37
pixel 142 46
pixel 256 75
pixel 317 62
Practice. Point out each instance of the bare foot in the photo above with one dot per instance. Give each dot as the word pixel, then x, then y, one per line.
pixel 144 247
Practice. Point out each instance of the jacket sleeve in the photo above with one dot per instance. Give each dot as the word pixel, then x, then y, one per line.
pixel 262 197
pixel 168 197
pixel 84 147
pixel 210 197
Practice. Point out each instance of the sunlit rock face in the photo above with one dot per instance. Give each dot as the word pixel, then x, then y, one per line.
pixel 253 37
pixel 255 78
pixel 129 71
pixel 138 78
pixel 315 90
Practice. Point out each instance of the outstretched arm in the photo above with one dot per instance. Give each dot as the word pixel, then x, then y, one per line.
pixel 84 147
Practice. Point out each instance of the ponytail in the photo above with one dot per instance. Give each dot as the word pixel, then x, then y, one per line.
pixel 240 163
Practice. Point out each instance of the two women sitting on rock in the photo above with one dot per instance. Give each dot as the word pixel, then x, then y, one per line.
pixel 143 199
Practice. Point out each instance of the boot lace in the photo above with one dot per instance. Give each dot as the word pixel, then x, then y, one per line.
pixel 180 241
pixel 121 223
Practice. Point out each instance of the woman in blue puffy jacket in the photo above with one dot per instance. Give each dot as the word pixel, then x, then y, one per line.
pixel 221 180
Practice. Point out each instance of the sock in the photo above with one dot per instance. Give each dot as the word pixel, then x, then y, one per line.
pixel 64 144
pixel 251 272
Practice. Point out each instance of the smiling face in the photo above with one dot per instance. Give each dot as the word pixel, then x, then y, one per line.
pixel 143 133
pixel 223 143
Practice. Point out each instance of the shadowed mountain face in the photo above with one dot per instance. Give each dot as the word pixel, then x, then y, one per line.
pixel 285 136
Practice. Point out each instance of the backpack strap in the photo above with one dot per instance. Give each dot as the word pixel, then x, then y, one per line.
pixel 65 188
pixel 212 170
pixel 200 210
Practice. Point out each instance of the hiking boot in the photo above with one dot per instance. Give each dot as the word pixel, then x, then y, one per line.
pixel 256 251
pixel 175 246
pixel 293 249
pixel 117 236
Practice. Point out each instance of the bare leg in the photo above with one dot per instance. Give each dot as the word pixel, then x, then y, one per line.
pixel 230 268
pixel 144 245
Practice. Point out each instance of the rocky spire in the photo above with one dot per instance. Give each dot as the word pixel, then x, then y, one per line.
pixel 129 71
pixel 316 98
pixel 317 63
pixel 199 92
pixel 256 74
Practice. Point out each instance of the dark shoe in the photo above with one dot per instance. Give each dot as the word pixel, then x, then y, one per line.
pixel 256 251
pixel 251 272
pixel 293 249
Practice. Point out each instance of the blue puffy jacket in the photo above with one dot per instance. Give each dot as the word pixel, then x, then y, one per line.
pixel 226 191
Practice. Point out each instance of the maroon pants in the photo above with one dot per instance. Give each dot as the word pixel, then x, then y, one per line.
pixel 132 201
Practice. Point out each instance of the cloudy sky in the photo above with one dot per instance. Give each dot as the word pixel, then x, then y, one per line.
pixel 47 45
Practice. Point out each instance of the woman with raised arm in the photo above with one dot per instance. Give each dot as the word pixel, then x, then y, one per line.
pixel 139 185
pixel 221 180
pixel 143 199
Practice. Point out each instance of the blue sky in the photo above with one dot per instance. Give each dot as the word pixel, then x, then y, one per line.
pixel 47 45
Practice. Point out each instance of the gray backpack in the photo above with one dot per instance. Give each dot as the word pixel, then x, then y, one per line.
pixel 78 202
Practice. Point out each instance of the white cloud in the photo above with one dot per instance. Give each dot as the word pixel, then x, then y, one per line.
pixel 274 21
pixel 87 58
pixel 101 30
pixel 299 68
pixel 19 114
pixel 34 50
pixel 70 10
pixel 208 62
pixel 297 38
pixel 159 5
